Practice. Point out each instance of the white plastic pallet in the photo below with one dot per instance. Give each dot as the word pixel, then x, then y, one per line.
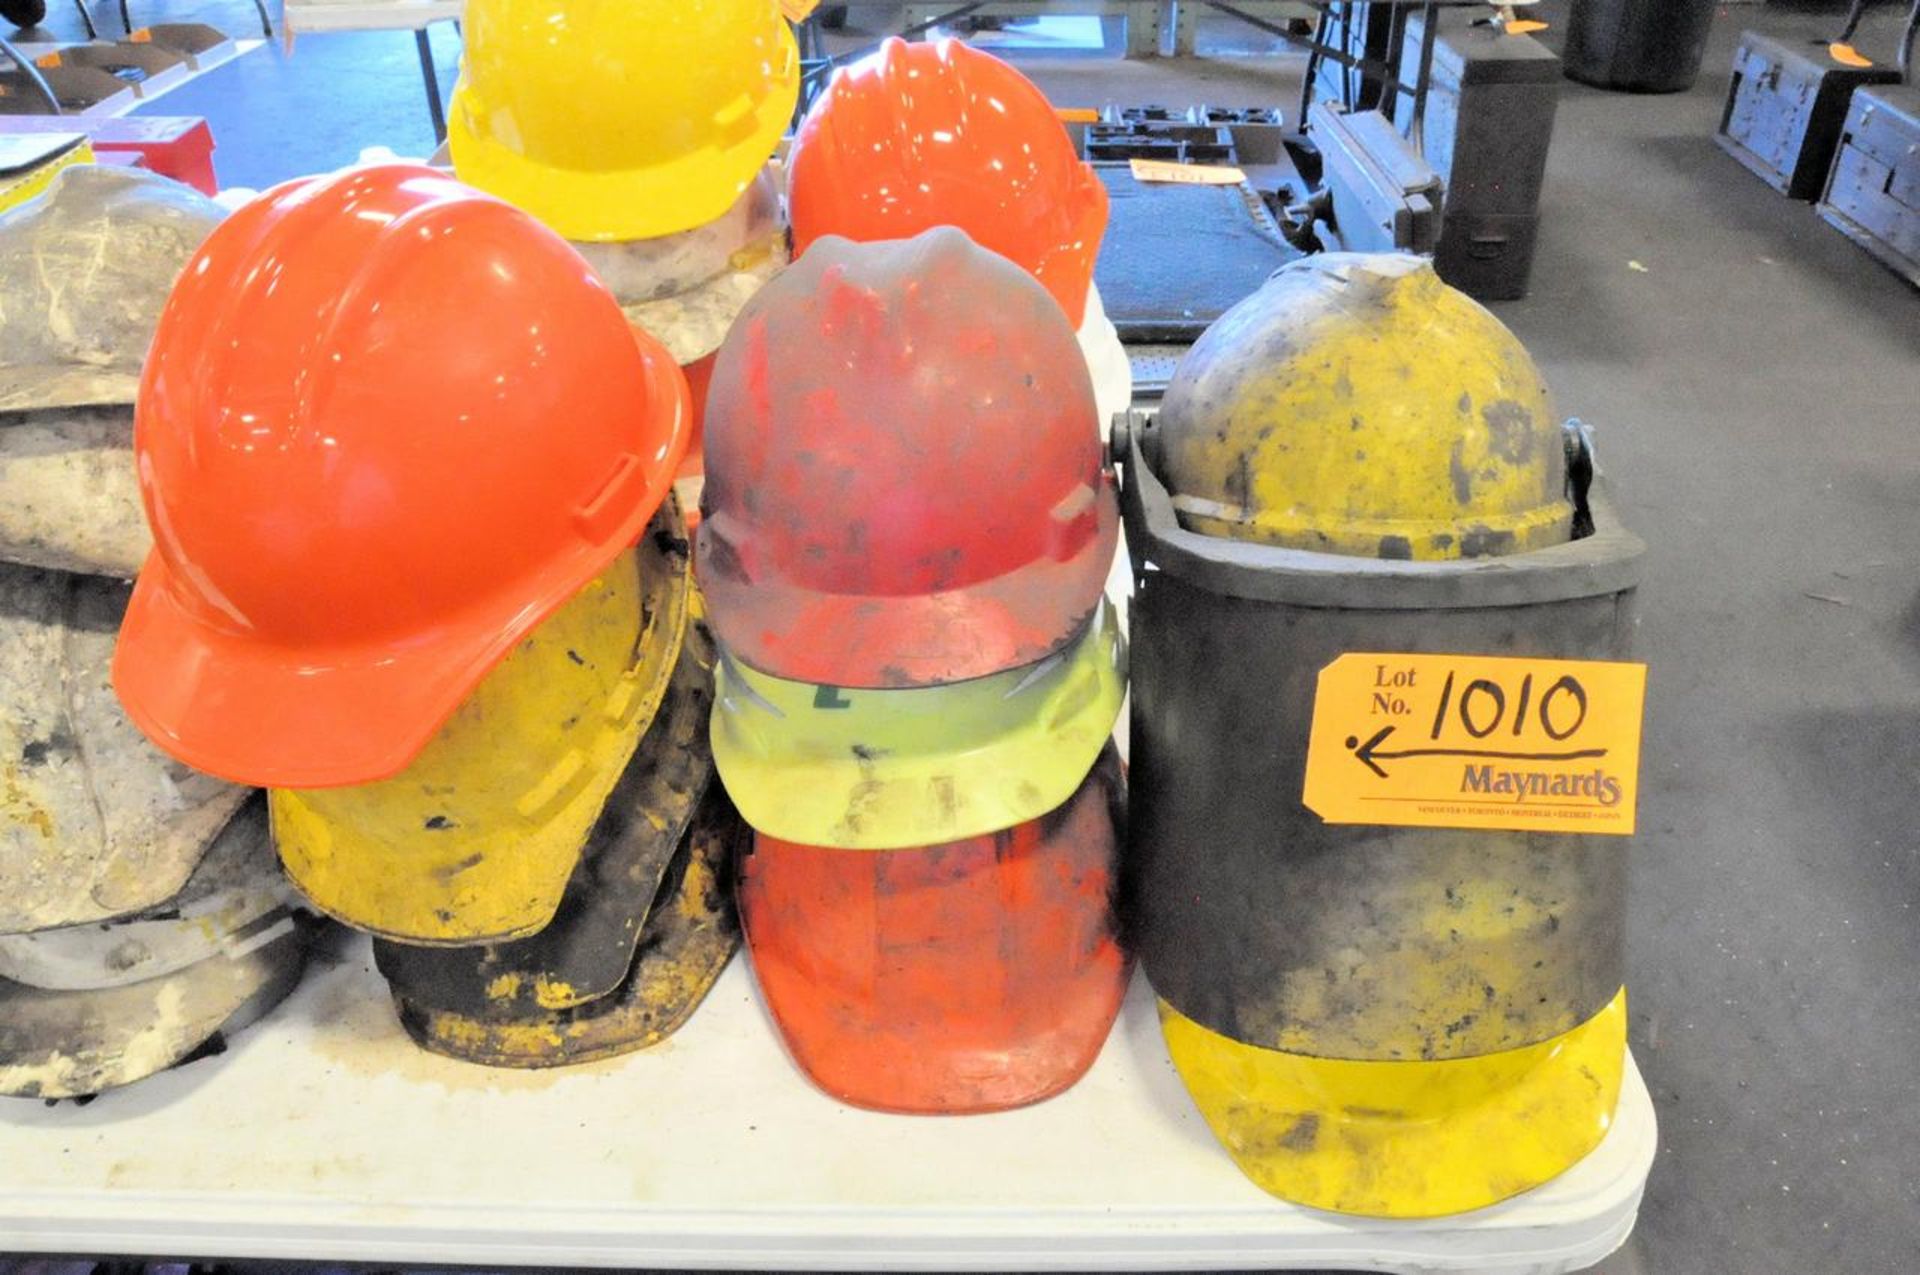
pixel 325 1134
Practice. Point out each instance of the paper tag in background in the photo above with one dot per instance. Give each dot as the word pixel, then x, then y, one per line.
pixel 1469 741
pixel 1160 170
pixel 1077 114
pixel 798 10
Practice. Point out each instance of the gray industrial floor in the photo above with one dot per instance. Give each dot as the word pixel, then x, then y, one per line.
pixel 1754 381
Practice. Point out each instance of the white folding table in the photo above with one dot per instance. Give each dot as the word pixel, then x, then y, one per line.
pixel 324 1133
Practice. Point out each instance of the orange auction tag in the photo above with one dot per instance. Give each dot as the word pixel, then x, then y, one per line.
pixel 798 10
pixel 1160 170
pixel 1077 114
pixel 1847 55
pixel 1473 741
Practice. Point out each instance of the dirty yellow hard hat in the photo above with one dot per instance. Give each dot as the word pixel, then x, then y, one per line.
pixel 1449 447
pixel 916 766
pixel 621 121
pixel 646 925
pixel 689 934
pixel 1404 1139
pixel 475 840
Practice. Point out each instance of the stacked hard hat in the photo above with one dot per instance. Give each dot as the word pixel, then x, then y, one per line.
pixel 86 269
pixel 642 134
pixel 1398 1021
pixel 416 570
pixel 142 915
pixel 943 134
pixel 644 927
pixel 907 526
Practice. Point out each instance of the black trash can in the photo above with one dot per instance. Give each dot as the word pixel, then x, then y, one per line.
pixel 1638 46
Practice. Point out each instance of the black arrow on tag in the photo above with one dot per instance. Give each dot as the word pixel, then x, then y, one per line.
pixel 1367 752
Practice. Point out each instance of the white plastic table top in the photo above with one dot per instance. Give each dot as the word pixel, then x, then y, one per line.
pixel 324 1133
pixel 367 15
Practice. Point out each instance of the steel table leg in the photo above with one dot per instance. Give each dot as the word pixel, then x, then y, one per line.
pixel 424 43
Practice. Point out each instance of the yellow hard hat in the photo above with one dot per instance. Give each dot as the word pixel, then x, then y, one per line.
pixel 917 766
pixel 1405 1139
pixel 621 121
pixel 475 840
pixel 1358 405
pixel 689 934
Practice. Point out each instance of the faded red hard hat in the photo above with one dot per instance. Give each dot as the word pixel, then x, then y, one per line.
pixel 387 425
pixel 972 976
pixel 905 483
pixel 939 133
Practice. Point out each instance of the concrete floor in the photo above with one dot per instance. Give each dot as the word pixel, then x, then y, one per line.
pixel 1754 381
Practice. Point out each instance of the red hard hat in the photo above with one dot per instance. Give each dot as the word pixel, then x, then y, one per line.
pixel 387 426
pixel 972 976
pixel 922 135
pixel 904 474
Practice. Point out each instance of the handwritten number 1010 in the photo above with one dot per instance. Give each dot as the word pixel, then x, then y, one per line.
pixel 1483 707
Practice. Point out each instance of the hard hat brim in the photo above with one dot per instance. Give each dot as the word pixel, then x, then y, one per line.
pixel 882 770
pixel 691 933
pixel 74 1044
pixel 1404 1139
pixel 373 857
pixel 235 894
pixel 225 704
pixel 1010 1006
pixel 69 491
pixel 121 826
pixel 882 642
pixel 31 389
pixel 586 951
pixel 244 708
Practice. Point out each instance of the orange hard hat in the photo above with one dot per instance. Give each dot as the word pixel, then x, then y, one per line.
pixel 922 135
pixel 972 976
pixel 905 481
pixel 387 426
